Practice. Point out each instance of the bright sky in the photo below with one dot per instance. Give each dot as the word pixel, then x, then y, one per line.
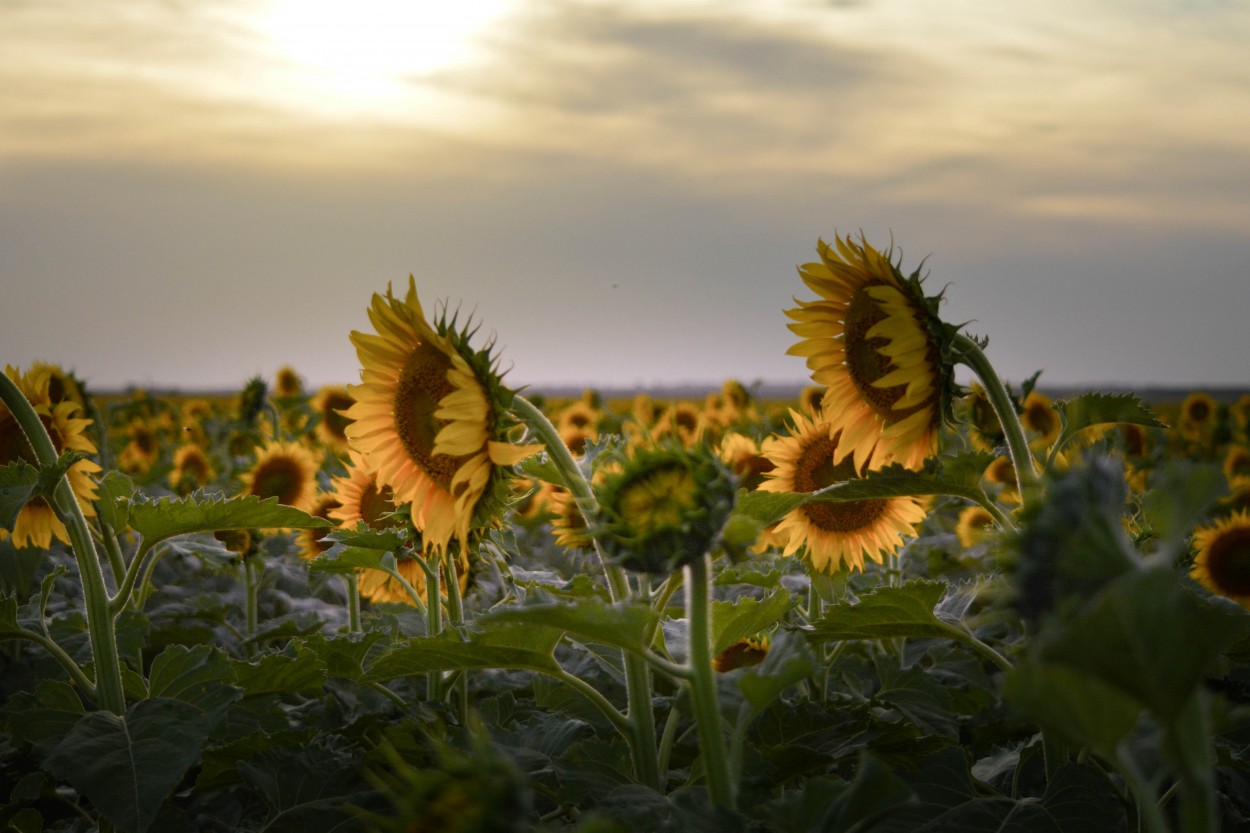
pixel 193 193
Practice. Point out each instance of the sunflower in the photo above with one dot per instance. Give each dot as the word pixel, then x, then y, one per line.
pixel 309 540
pixel 875 341
pixel 360 496
pixel 1237 465
pixel 37 524
pixel 1002 473
pixel 431 417
pixel 287 383
pixel 285 470
pixel 380 587
pixel 984 429
pixel 142 449
pixel 569 525
pixel 683 422
pixel 192 469
pixel 810 398
pixel 578 423
pixel 1040 419
pixel 832 534
pixel 742 455
pixel 974 522
pixel 329 405
pixel 747 651
pixel 1198 412
pixel 62 384
pixel 1223 561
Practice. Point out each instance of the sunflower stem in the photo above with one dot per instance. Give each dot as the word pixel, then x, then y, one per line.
pixel 703 695
pixel 251 592
pixel 353 602
pixel 433 625
pixel 637 674
pixel 100 624
pixel 971 355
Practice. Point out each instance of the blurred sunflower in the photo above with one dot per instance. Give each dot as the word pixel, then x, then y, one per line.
pixel 1134 440
pixel 1198 412
pixel 568 524
pixel 1002 473
pixel 810 398
pixel 285 470
pixel 309 540
pixel 747 651
pixel 1040 419
pixel 577 423
pixel 62 384
pixel 974 522
pixel 37 524
pixel 431 415
pixel 142 448
pixel 329 404
pixel 742 455
pixel 192 469
pixel 1237 465
pixel 683 422
pixel 984 429
pixel 875 341
pixel 1223 561
pixel 379 587
pixel 287 383
pixel 832 534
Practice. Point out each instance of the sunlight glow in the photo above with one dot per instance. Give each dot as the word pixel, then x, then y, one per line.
pixel 367 54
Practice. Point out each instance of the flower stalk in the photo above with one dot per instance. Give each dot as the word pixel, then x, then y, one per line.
pixel 703 696
pixel 100 623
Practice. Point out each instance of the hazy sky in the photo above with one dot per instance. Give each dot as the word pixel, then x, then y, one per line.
pixel 193 192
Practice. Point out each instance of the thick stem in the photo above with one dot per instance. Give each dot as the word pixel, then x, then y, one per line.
pixel 637 674
pixel 353 602
pixel 100 625
pixel 1017 444
pixel 433 625
pixel 703 695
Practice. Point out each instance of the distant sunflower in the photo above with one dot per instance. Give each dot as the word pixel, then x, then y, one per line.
pixel 832 534
pixel 1237 464
pixel 37 524
pixel 577 423
pixel 1040 419
pixel 984 429
pixel 810 398
pixel 431 415
pixel 1002 473
pixel 569 525
pixel 329 404
pixel 360 497
pixel 873 339
pixel 684 422
pixel 742 455
pixel 287 383
pixel 142 449
pixel 974 522
pixel 309 540
pixel 1198 413
pixel 285 470
pixel 192 469
pixel 1135 440
pixel 1223 561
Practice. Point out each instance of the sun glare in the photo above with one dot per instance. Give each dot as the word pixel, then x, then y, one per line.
pixel 366 54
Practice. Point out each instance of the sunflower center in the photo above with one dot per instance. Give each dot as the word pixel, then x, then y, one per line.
pixel 815 470
pixel 374 504
pixel 1228 561
pixel 279 477
pixel 865 362
pixel 422 385
pixel 1199 411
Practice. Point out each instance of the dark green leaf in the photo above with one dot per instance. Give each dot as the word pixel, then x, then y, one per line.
pixel 789 660
pixel 19 482
pixel 276 673
pixel 343 656
pixel 307 789
pixel 199 675
pixel 1078 708
pixel 745 617
pixel 1091 409
pixel 392 539
pixel 166 517
pixel 498 647
pixel 129 764
pixel 116 492
pixel 1181 493
pixel 586 620
pixel 884 613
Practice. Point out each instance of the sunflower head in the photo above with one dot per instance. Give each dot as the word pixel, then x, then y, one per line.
pixel 742 455
pixel 1237 464
pixel 1222 564
pixel 876 342
pixel 283 470
pixel 329 404
pixel 432 416
pixel 748 651
pixel 252 400
pixel 663 507
pixel 309 540
pixel 287 383
pixel 974 522
pixel 192 469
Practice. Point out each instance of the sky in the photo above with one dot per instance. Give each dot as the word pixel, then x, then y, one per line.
pixel 196 192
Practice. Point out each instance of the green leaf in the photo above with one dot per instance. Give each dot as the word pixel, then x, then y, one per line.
pixel 1078 708
pixel 50 476
pixel 343 656
pixel 1147 635
pixel 884 613
pixel 875 793
pixel 1090 409
pixel 278 674
pixel 127 765
pixel 347 560
pixel 19 482
pixel 391 539
pixel 1181 493
pixel 116 492
pixel 197 675
pixel 745 617
pixel 499 647
pixel 166 517
pixel 586 620
pixel 310 789
pixel 789 660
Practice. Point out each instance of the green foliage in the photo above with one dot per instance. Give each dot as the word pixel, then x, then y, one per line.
pixel 164 518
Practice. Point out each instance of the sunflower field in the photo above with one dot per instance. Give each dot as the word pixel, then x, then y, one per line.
pixel 430 602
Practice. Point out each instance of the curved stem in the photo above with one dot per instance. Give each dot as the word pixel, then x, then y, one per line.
pixel 961 635
pixel 100 625
pixel 637 675
pixel 970 354
pixel 81 680
pixel 703 696
pixel 622 723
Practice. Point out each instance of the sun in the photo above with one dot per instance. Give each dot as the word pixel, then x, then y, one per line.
pixel 367 53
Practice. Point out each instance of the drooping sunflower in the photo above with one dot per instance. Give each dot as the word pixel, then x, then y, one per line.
pixel 742 455
pixel 984 429
pixel 1222 564
pixel 329 404
pixel 832 534
pixel 37 524
pixel 285 470
pixel 431 416
pixel 875 341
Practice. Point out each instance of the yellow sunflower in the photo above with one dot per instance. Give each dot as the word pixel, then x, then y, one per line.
pixel 747 651
pixel 742 455
pixel 683 422
pixel 1198 413
pixel 330 404
pixel 1002 473
pixel 192 469
pixel 832 534
pixel 309 540
pixel 577 423
pixel 1223 561
pixel 430 418
pixel 1237 464
pixel 569 525
pixel 974 522
pixel 1040 419
pixel 285 470
pixel 810 398
pixel 62 384
pixel 360 496
pixel 287 383
pixel 379 587
pixel 37 524
pixel 142 449
pixel 872 339
pixel 984 429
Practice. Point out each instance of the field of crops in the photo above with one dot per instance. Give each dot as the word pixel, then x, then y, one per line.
pixel 428 602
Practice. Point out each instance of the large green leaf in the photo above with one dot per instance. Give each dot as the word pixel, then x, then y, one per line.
pixel 166 517
pixel 129 764
pixel 343 656
pixel 498 647
pixel 1076 707
pixel 1181 494
pixel 586 620
pixel 116 493
pixel 198 675
pixel 1090 409
pixel 789 660
pixel 309 789
pixel 745 617
pixel 886 612
pixel 277 673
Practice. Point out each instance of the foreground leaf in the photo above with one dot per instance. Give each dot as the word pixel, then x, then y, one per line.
pixel 166 517
pixel 884 613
